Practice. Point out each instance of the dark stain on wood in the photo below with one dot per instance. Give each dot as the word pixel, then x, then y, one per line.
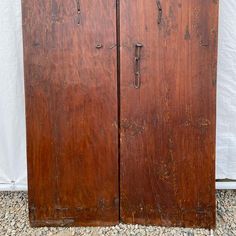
pixel 187 34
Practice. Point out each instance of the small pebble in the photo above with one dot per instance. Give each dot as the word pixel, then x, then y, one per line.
pixel 14 221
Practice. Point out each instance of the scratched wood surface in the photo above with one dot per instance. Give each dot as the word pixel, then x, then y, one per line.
pixel 168 124
pixel 71 107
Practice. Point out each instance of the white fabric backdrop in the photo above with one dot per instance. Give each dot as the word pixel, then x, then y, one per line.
pixel 12 121
pixel 226 108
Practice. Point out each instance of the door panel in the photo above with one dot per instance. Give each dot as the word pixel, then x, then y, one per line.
pixel 71 107
pixel 167 139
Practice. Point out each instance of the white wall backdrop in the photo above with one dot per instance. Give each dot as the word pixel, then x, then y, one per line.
pixel 12 124
pixel 12 121
pixel 226 114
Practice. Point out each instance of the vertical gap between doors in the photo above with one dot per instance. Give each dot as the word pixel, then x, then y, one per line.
pixel 118 93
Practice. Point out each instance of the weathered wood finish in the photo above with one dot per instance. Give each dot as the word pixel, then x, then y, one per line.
pixel 71 105
pixel 168 125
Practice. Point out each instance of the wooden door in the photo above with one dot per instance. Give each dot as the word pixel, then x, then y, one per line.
pixel 168 94
pixel 71 107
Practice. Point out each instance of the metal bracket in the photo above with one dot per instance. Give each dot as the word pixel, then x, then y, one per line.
pixel 137 59
pixel 159 7
pixel 79 11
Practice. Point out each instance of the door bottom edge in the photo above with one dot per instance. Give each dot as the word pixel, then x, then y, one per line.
pixel 71 223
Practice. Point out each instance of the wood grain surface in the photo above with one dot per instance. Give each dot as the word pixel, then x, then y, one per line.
pixel 167 174
pixel 71 106
pixel 148 152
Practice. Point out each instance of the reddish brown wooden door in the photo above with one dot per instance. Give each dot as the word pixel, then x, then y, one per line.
pixel 168 121
pixel 167 59
pixel 71 107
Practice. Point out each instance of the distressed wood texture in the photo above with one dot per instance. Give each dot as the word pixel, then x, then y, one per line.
pixel 168 125
pixel 71 106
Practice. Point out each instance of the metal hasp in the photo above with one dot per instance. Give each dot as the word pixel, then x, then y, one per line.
pixel 159 7
pixel 78 10
pixel 137 81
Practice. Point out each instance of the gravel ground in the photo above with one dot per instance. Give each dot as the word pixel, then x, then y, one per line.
pixel 14 221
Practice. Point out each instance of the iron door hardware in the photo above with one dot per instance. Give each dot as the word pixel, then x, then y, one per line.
pixel 137 60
